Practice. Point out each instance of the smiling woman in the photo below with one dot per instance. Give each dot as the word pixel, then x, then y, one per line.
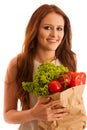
pixel 47 38
pixel 50 35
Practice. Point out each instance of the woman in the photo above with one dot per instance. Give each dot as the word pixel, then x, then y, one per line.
pixel 47 38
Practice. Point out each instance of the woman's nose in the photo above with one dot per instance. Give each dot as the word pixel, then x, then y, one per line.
pixel 54 33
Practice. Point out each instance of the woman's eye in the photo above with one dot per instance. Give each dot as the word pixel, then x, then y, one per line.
pixel 59 28
pixel 47 27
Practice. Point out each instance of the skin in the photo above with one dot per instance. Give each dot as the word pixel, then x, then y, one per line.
pixel 50 34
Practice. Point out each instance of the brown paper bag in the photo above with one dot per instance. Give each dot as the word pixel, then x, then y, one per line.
pixel 76 119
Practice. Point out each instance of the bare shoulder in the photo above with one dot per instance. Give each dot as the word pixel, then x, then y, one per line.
pixel 75 57
pixel 10 86
pixel 13 62
pixel 11 70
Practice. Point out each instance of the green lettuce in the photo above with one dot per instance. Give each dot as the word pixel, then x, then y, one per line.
pixel 44 74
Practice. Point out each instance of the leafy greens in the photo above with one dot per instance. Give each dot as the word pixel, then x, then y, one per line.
pixel 44 74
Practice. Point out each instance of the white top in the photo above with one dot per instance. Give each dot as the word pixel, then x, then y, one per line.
pixel 33 125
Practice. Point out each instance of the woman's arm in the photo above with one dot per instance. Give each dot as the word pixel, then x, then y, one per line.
pixel 41 111
pixel 11 114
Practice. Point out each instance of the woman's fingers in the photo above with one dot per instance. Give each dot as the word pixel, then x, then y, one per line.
pixel 43 100
pixel 49 110
pixel 60 113
pixel 56 114
pixel 60 110
pixel 53 103
pixel 59 116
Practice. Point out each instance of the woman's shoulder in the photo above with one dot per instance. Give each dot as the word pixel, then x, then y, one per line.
pixel 13 62
pixel 12 65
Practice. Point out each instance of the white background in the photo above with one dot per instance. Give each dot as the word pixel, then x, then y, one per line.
pixel 14 16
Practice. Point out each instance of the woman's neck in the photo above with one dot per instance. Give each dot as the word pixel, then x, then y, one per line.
pixel 43 57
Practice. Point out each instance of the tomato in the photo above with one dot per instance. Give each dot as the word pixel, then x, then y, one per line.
pixel 69 79
pixel 54 86
pixel 83 77
pixel 70 73
pixel 75 79
pixel 64 80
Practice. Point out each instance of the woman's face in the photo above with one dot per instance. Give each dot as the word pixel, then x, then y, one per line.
pixel 51 32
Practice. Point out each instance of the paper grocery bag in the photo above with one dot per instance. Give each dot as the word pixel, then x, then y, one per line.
pixel 76 119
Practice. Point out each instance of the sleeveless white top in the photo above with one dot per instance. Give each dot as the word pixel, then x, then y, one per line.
pixel 33 125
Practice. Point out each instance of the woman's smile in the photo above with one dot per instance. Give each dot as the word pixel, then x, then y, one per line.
pixel 51 32
pixel 50 40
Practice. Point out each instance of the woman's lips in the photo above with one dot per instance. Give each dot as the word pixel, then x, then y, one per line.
pixel 52 40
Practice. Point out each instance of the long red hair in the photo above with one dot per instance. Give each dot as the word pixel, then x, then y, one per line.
pixel 26 57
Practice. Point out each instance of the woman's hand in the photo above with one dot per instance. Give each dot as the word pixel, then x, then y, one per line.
pixel 45 110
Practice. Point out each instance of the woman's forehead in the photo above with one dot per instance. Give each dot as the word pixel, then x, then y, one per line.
pixel 53 18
